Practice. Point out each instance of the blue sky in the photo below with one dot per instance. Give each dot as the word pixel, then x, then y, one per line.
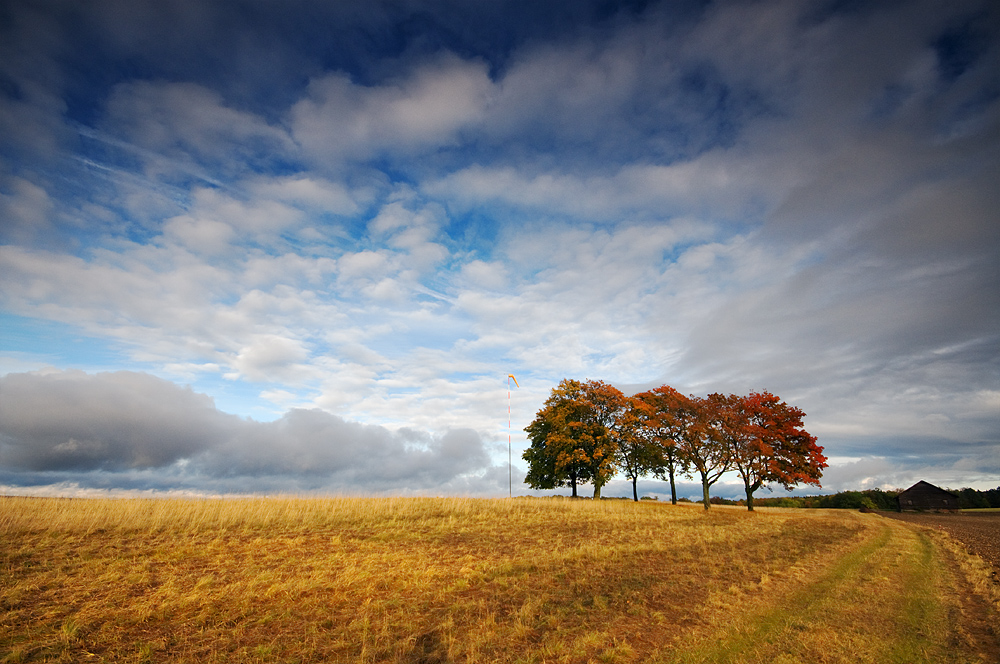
pixel 250 247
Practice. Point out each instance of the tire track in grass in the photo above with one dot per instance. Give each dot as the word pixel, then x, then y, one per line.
pixel 877 602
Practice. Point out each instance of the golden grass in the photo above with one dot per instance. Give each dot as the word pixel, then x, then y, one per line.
pixel 464 580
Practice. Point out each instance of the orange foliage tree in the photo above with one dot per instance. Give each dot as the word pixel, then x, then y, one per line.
pixel 575 436
pixel 663 415
pixel 639 450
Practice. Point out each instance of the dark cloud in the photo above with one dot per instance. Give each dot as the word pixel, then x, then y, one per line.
pixel 259 54
pixel 130 430
pixel 110 421
pixel 313 443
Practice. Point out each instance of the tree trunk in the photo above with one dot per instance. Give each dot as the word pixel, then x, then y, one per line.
pixel 673 489
pixel 704 490
pixel 750 488
pixel 635 492
pixel 572 483
pixel 597 491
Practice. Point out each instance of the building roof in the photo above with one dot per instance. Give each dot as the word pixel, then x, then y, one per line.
pixel 926 496
pixel 928 488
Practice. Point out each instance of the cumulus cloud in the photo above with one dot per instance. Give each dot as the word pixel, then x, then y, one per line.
pixel 271 356
pixel 69 423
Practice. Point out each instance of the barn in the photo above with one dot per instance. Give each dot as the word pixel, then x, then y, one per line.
pixel 924 496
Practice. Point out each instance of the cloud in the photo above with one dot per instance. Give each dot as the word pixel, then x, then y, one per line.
pixel 707 186
pixel 341 120
pixel 314 443
pixel 115 428
pixel 114 421
pixel 26 210
pixel 310 193
pixel 270 356
pixel 217 223
pixel 187 123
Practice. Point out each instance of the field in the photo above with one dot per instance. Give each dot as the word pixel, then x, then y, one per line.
pixel 463 580
pixel 978 530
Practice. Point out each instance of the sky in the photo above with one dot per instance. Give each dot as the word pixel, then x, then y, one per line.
pixel 250 247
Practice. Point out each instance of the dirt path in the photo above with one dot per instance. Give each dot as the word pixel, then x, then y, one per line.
pixel 972 612
pixel 979 532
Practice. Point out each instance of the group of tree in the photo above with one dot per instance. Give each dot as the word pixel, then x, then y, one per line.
pixel 880 499
pixel 590 431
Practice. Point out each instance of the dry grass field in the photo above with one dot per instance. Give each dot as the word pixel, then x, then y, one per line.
pixel 978 530
pixel 463 580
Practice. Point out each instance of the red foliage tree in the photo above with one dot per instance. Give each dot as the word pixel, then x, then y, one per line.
pixel 767 442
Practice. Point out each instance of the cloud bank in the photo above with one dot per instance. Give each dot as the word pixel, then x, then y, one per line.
pixel 118 428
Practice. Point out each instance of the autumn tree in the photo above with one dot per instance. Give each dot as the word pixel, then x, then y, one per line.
pixel 574 437
pixel 663 415
pixel 551 461
pixel 767 442
pixel 639 450
pixel 702 448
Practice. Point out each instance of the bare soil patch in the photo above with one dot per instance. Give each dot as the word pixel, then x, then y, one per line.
pixel 979 532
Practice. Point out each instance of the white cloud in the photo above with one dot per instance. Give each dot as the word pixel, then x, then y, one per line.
pixel 425 108
pixel 271 357
pixel 482 275
pixel 200 235
pixel 713 184
pixel 26 212
pixel 362 264
pixel 216 222
pixel 311 193
pixel 187 126
pixel 574 89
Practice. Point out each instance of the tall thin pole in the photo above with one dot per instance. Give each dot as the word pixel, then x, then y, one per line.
pixel 510 466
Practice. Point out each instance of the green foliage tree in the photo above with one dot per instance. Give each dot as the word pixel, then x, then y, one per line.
pixel 971 499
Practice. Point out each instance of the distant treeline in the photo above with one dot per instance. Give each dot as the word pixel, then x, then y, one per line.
pixel 875 499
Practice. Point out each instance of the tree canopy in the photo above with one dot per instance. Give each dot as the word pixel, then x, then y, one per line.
pixel 767 442
pixel 575 436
